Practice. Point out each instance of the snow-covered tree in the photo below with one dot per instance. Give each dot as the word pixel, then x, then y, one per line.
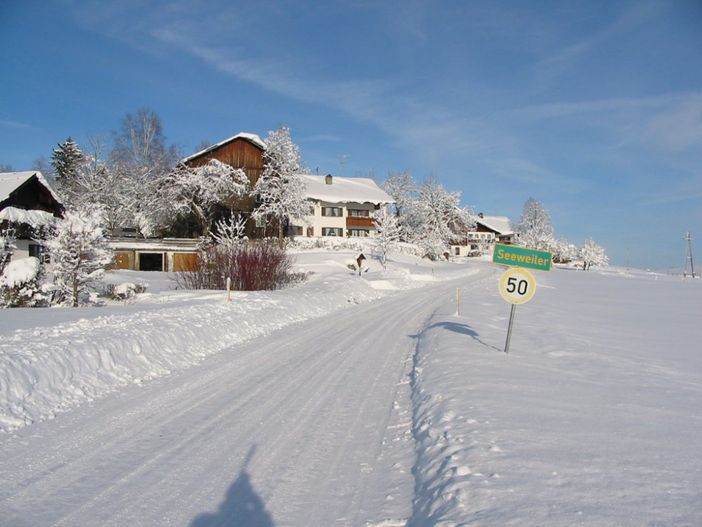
pixel 438 218
pixel 200 190
pixel 94 185
pixel 67 160
pixel 79 255
pixel 142 163
pixel 593 254
pixel 280 189
pixel 387 234
pixel 403 189
pixel 534 227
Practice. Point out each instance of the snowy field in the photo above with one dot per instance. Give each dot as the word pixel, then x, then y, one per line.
pixel 359 401
pixel 592 419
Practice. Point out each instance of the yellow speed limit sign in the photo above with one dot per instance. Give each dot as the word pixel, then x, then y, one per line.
pixel 517 285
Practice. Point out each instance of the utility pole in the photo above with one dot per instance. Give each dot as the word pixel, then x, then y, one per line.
pixel 688 257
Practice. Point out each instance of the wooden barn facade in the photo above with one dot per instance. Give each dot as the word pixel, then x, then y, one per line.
pixel 244 151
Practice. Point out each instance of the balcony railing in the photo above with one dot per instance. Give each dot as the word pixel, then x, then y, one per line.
pixel 359 221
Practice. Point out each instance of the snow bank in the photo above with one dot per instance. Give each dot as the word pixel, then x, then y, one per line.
pixel 20 272
pixel 592 419
pixel 57 362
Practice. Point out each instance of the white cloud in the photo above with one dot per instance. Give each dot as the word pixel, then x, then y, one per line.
pixel 13 124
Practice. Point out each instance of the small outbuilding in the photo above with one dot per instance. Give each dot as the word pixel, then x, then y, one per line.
pixel 27 205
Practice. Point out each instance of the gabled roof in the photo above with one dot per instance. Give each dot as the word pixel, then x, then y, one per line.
pixel 499 224
pixel 251 138
pixel 11 181
pixel 345 190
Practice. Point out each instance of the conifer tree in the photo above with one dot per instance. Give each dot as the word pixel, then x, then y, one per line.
pixel 66 160
pixel 79 255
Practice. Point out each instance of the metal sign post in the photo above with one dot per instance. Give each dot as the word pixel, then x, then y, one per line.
pixel 509 327
pixel 517 286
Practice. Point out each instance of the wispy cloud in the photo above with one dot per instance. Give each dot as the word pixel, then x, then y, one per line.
pixel 13 124
pixel 567 56
pixel 528 172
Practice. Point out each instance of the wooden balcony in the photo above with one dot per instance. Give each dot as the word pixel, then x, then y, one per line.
pixel 359 221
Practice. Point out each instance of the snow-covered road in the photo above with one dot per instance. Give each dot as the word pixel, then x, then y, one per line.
pixel 307 426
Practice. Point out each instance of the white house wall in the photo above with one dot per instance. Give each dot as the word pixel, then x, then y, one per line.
pixel 318 222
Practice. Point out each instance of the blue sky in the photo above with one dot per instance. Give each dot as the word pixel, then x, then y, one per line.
pixel 593 108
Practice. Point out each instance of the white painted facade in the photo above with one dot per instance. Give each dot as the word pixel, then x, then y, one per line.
pixel 341 207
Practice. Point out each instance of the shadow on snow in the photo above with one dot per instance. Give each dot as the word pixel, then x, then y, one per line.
pixel 463 329
pixel 242 507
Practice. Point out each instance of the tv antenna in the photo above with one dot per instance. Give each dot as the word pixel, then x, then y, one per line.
pixel 688 257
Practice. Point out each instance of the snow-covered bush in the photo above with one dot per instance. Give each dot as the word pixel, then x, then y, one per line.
pixel 562 251
pixel 593 255
pixel 79 256
pixel 230 232
pixel 7 246
pixel 332 243
pixel 252 266
pixel 124 291
pixel 21 284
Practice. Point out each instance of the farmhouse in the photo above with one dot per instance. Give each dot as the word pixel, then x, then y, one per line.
pixel 488 231
pixel 340 206
pixel 244 151
pixel 27 204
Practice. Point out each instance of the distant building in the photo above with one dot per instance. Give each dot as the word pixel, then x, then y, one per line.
pixel 27 204
pixel 488 231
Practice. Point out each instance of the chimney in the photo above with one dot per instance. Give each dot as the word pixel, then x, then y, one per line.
pixel 328 179
pixel 480 214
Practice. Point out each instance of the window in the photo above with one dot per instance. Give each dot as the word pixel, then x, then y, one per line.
pixel 358 233
pixel 332 211
pixel 331 231
pixel 458 251
pixel 359 213
pixel 39 251
pixel 260 221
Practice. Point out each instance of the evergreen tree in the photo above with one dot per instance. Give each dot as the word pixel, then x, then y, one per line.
pixel 66 161
pixel 280 188
pixel 79 255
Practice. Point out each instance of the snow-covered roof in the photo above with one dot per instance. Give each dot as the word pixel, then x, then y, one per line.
pixel 252 138
pixel 10 181
pixel 34 218
pixel 345 190
pixel 499 224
